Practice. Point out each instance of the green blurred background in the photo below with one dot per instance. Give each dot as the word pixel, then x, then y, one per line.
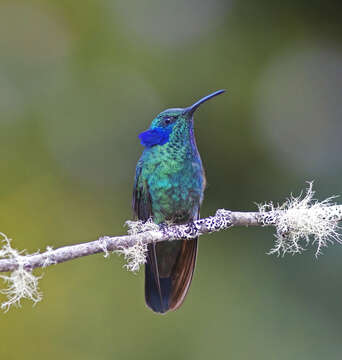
pixel 79 80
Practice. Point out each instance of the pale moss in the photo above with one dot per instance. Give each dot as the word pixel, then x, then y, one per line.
pixel 103 245
pixel 21 283
pixel 134 255
pixel 303 220
pixel 136 227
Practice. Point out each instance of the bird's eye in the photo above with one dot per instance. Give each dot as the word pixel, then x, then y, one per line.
pixel 168 120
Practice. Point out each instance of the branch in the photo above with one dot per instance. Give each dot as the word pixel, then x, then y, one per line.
pixel 299 221
pixel 222 220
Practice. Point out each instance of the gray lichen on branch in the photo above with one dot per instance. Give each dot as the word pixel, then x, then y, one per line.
pixel 299 221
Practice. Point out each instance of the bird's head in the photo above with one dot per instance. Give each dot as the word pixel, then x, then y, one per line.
pixel 171 121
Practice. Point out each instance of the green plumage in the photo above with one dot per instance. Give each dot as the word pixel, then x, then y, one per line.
pixel 172 176
pixel 169 186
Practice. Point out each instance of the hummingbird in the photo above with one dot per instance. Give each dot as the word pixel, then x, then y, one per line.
pixel 168 188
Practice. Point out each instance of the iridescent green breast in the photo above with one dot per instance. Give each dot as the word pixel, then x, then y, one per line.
pixel 173 175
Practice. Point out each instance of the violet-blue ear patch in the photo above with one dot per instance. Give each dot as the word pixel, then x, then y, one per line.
pixel 155 136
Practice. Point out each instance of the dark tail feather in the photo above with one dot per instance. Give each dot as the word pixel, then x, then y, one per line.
pixel 156 299
pixel 168 274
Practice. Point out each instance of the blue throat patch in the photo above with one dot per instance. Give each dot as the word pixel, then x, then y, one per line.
pixel 155 136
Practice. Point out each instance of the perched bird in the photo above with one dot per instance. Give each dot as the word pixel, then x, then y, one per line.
pixel 169 186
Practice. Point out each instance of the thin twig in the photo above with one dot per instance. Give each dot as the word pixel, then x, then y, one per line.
pixel 222 220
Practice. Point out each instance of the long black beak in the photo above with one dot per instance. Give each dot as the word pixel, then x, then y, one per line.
pixel 191 109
